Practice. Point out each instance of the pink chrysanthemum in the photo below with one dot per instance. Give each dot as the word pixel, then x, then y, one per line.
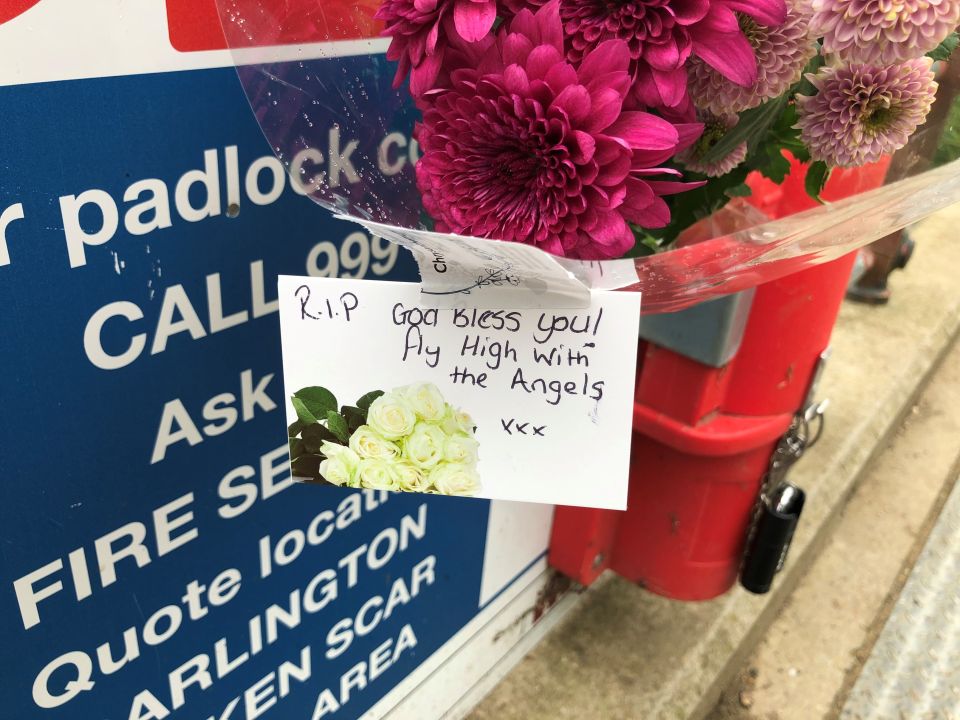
pixel 882 32
pixel 715 127
pixel 527 147
pixel 862 112
pixel 782 51
pixel 420 30
pixel 664 34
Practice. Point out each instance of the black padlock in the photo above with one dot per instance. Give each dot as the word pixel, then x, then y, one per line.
pixel 769 542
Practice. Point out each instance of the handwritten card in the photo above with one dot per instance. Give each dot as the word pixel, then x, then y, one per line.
pixel 530 405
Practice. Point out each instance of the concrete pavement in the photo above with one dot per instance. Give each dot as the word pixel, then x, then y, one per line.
pixel 626 654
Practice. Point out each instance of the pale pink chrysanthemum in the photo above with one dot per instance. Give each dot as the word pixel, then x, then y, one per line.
pixel 782 52
pixel 527 147
pixel 863 112
pixel 883 32
pixel 715 127
pixel 420 30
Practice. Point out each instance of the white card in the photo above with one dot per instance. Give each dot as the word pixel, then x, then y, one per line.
pixel 530 405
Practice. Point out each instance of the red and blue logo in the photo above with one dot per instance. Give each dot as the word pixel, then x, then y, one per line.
pixel 9 9
pixel 195 24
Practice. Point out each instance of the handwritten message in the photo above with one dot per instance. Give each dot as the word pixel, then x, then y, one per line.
pixel 548 393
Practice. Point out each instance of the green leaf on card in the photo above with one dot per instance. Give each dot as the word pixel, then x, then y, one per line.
pixel 294 428
pixel 315 435
pixel 354 416
pixel 318 400
pixel 303 414
pixel 338 426
pixel 297 448
pixel 366 401
pixel 307 466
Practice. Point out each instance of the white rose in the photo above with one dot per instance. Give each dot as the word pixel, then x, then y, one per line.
pixel 426 401
pixel 337 472
pixel 340 452
pixel 391 417
pixel 461 449
pixel 410 478
pixel 455 479
pixel 340 467
pixel 378 474
pixel 424 446
pixel 456 421
pixel 367 443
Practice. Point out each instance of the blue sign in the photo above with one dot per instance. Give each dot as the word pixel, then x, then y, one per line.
pixel 157 559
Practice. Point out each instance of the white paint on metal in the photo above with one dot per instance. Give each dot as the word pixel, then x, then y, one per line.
pixel 75 39
pixel 516 532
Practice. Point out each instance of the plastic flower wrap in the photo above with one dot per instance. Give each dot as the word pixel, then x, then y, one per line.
pixel 597 131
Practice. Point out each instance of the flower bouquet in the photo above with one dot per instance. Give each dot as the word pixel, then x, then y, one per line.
pixel 598 130
pixel 409 439
pixel 603 130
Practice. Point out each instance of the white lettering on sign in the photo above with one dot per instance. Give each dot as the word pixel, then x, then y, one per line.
pixel 257 699
pixel 180 320
pixel 177 316
pixel 241 490
pixel 353 259
pixel 93 217
pixel 171 527
pixel 379 608
pixel 76 236
pixel 357 677
pixel 10 214
pixel 77 671
pixel 221 413
pixel 150 213
pixel 380 551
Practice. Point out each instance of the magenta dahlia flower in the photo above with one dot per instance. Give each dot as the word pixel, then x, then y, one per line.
pixel 664 34
pixel 782 51
pixel 420 30
pixel 715 127
pixel 528 147
pixel 862 112
pixel 882 32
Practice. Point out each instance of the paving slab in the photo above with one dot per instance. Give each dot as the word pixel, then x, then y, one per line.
pixel 914 668
pixel 624 653
pixel 810 655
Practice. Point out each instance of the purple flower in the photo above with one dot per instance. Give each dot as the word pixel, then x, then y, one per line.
pixel 862 112
pixel 882 32
pixel 782 52
pixel 663 35
pixel 528 147
pixel 421 29
pixel 715 127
